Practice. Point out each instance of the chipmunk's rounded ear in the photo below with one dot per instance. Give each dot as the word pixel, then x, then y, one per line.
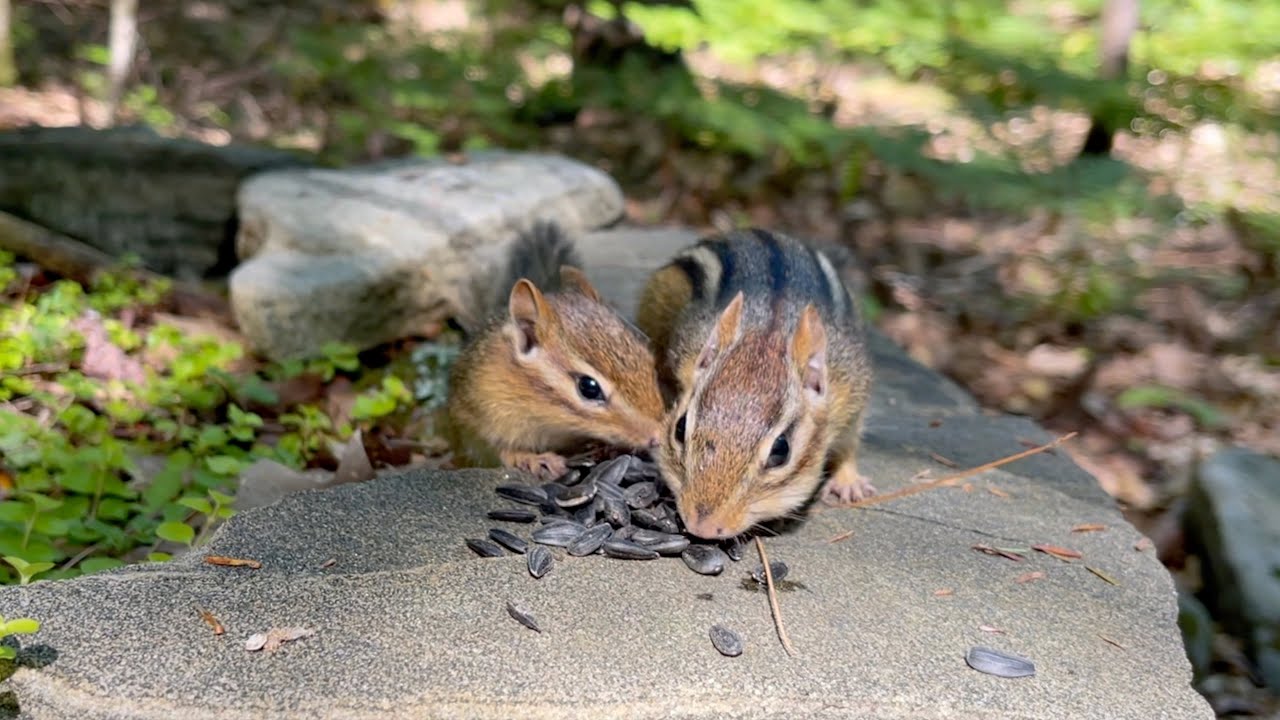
pixel 809 352
pixel 528 311
pixel 724 333
pixel 574 279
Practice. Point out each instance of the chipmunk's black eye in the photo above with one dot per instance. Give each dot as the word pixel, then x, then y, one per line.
pixel 680 429
pixel 779 453
pixel 589 389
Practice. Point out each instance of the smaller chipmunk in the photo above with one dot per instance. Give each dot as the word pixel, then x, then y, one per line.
pixel 547 365
pixel 761 343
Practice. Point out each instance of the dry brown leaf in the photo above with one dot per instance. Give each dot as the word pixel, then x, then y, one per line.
pixel 841 537
pixel 211 620
pixel 945 461
pixel 997 491
pixel 944 592
pixel 991 629
pixel 102 358
pixel 271 640
pixel 1102 575
pixel 1089 527
pixel 1056 362
pixel 1029 577
pixel 1065 554
pixel 232 562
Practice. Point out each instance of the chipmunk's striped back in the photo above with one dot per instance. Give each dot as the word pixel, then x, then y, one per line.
pixel 777 274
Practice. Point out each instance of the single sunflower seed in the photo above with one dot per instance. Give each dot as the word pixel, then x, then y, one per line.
pixel 610 472
pixel 642 494
pixel 726 641
pixel 777 568
pixel 704 559
pixel 627 550
pixel 540 561
pixel 519 515
pixel 590 541
pixel 1000 664
pixel 577 495
pixel 521 493
pixel 509 540
pixel 523 616
pixel 561 534
pixel 484 548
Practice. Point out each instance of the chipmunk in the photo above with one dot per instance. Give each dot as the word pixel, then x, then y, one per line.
pixel 547 364
pixel 762 346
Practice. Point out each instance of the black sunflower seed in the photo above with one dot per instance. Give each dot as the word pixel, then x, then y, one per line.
pixel 610 472
pixel 655 520
pixel 1000 664
pixel 614 510
pixel 777 568
pixel 645 536
pixel 627 550
pixel 642 494
pixel 586 515
pixel 510 541
pixel 673 546
pixel 735 549
pixel 576 495
pixel 570 478
pixel 523 617
pixel 590 541
pixel 521 493
pixel 561 534
pixel 540 561
pixel 519 515
pixel 484 548
pixel 726 641
pixel 704 559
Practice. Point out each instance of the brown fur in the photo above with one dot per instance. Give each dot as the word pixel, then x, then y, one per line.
pixel 521 398
pixel 761 365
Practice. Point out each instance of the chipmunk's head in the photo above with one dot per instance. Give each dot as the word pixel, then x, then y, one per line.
pixel 584 367
pixel 747 440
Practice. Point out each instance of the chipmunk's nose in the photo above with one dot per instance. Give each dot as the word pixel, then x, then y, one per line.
pixel 655 440
pixel 701 522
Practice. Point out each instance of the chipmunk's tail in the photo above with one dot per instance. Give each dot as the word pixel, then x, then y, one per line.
pixel 537 255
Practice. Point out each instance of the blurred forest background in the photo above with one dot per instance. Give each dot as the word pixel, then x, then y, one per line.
pixel 1071 207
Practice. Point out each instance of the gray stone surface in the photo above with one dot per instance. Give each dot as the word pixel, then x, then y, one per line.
pixel 367 255
pixel 128 189
pixel 410 623
pixel 1234 517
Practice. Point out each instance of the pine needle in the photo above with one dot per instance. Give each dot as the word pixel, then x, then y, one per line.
pixel 773 600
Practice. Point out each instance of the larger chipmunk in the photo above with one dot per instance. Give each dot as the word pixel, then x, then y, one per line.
pixel 767 354
pixel 548 365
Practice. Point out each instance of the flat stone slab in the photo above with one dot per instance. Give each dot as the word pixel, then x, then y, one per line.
pixel 410 623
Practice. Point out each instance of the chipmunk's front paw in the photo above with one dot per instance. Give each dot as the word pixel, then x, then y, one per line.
pixel 544 466
pixel 846 486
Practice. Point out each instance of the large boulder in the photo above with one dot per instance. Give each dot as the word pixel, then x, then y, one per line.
pixel 129 190
pixel 370 254
pixel 1234 517
pixel 881 604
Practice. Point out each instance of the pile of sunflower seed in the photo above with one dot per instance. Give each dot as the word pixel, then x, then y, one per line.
pixel 618 508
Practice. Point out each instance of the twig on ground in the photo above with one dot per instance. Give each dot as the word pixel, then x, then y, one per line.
pixel 913 489
pixel 773 600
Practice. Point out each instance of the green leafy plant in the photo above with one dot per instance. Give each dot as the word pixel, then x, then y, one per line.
pixel 27 571
pixel 15 626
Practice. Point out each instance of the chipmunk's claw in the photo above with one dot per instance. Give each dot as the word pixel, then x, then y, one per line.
pixel 847 486
pixel 544 466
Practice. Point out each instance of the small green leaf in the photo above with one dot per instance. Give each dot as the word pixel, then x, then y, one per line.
pixel 159 557
pixel 18 563
pixel 21 626
pixel 224 465
pixel 7 653
pixel 176 532
pixel 198 504
pixel 221 498
pixel 98 564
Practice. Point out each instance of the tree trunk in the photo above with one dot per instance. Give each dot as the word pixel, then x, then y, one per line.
pixel 8 67
pixel 1119 22
pixel 122 42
